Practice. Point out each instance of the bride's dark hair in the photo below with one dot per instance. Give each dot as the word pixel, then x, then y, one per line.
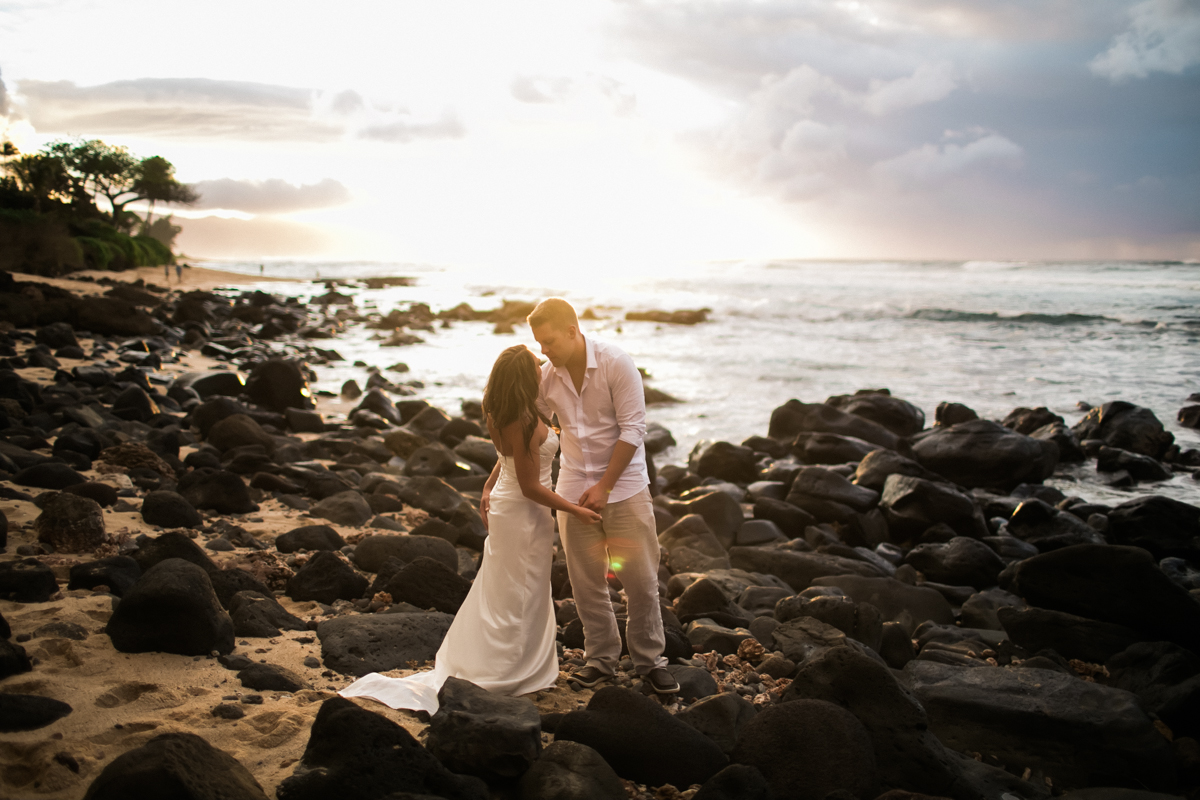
pixel 512 390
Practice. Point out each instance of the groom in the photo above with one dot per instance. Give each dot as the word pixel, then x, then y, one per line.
pixel 596 391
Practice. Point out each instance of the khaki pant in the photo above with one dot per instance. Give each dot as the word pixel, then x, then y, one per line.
pixel 626 539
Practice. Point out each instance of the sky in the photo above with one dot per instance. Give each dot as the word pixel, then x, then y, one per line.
pixel 623 135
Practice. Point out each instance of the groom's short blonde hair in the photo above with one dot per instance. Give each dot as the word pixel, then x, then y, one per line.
pixel 553 311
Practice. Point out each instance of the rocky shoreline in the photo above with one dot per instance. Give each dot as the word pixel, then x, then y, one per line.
pixel 857 603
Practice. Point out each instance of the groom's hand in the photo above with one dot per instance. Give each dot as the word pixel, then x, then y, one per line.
pixel 595 498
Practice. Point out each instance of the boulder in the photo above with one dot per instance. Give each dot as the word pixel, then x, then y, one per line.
pixel 478 451
pixel 171 609
pixel 794 417
pixel 1082 733
pixel 798 570
pixel 376 401
pixel 809 749
pixel 169 510
pixel 1071 636
pixel 239 430
pixel 357 645
pixel 373 551
pixel 1045 527
pixel 56 334
pixel 1069 451
pixel 982 609
pixel 118 573
pixel 480 733
pixel 216 490
pixel 1125 426
pixel 1140 468
pixel 721 513
pixel 830 448
pixel 735 782
pixel 1027 420
pixel 135 404
pixel 898 416
pixel 692 547
pixel 48 475
pixel 13 659
pixel 28 712
pixel 309 537
pixel 431 494
pixel 985 454
pixel 571 771
pixel 354 753
pixel 176 765
pixel 1121 585
pixel 720 717
pixel 859 621
pixel 727 462
pixel 640 740
pixel 428 583
pixel 70 523
pixel 912 505
pixel 271 678
pixel 1167 680
pixel 172 545
pixel 1164 526
pixel 327 577
pixel 345 508
pixel 256 615
pixel 875 467
pixel 792 521
pixel 26 581
pixel 896 601
pixel 959 562
pixel 801 638
pixel 906 753
pixel 823 484
pixel 947 414
pixel 279 384
pixel 103 493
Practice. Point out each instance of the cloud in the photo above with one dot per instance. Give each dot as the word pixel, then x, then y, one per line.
pixel 406 130
pixel 177 107
pixel 199 108
pixel 3 99
pixel 931 162
pixel 272 196
pixel 530 89
pixel 1164 37
pixel 928 84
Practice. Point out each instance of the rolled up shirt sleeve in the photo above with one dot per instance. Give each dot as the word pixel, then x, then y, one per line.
pixel 629 399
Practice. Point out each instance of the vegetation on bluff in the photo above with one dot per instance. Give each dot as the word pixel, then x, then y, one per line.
pixel 66 207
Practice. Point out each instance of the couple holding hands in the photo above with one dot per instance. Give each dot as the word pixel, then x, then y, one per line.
pixel 503 637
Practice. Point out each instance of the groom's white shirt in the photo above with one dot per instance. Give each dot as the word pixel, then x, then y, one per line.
pixel 611 407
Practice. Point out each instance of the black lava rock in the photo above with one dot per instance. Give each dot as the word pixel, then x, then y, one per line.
pixel 118 573
pixel 217 490
pixel 27 712
pixel 480 733
pixel 326 577
pixel 641 741
pixel 258 615
pixel 48 475
pixel 310 537
pixel 426 583
pixel 278 385
pixel 352 752
pixel 571 771
pixel 171 609
pixel 169 510
pixel 271 678
pixel 356 645
pixel 175 765
pixel 26 581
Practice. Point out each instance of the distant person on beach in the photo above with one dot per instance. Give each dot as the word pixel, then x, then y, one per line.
pixel 167 272
pixel 503 636
pixel 596 392
pixel 179 272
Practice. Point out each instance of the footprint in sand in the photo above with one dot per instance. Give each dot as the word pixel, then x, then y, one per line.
pixel 273 728
pixel 124 693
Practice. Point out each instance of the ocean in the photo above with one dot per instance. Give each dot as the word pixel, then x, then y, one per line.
pixel 991 335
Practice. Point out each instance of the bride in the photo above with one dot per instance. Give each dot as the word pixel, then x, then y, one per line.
pixel 502 638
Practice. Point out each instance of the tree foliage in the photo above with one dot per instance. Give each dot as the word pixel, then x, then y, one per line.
pixel 84 171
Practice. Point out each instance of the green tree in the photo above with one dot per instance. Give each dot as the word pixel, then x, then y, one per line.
pixel 40 175
pixel 100 170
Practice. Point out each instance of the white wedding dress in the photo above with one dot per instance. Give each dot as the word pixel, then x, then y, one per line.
pixel 502 638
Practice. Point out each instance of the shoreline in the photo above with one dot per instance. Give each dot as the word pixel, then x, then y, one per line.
pixel 772 529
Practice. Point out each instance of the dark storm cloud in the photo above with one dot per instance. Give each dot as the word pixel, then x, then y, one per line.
pixel 272 196
pixel 1037 121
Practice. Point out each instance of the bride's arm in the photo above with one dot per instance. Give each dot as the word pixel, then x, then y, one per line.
pixel 527 463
